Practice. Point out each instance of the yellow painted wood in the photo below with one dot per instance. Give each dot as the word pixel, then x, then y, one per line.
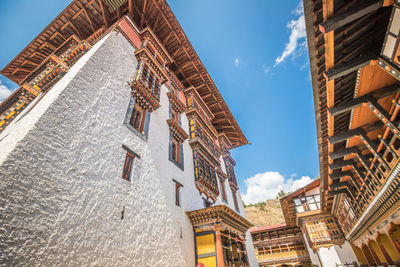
pixel 20 106
pixel 360 256
pixel 388 245
pixel 205 244
pixel 209 261
pixel 10 115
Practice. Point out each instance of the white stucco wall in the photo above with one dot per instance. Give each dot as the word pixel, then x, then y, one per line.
pixel 346 253
pixel 313 256
pixel 61 191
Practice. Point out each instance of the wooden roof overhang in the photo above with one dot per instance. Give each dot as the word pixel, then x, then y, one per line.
pixel 288 208
pixel 85 17
pixel 220 215
pixel 345 39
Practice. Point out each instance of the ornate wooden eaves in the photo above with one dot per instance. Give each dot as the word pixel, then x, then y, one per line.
pixel 176 103
pixel 219 214
pixel 209 154
pixel 143 54
pixel 176 130
pixel 144 96
pixel 84 17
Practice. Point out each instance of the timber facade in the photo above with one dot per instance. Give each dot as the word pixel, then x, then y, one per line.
pixel 354 56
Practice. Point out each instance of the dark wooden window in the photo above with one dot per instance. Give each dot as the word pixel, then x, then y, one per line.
pixel 177 193
pixel 235 201
pixel 138 118
pixel 176 151
pixel 126 174
pixel 175 116
pixel 223 193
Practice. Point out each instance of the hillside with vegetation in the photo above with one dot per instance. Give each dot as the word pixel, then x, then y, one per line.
pixel 265 213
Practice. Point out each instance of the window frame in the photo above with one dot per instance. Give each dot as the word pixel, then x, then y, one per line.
pixel 129 159
pixel 138 125
pixel 144 123
pixel 178 198
pixel 305 204
pixel 127 169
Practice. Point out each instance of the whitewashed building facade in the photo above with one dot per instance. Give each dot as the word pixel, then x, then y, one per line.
pixel 111 158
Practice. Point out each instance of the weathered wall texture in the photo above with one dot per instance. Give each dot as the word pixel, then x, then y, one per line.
pixel 61 191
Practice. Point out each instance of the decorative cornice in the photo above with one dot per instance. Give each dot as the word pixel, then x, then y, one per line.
pixel 177 131
pixel 143 96
pixel 219 214
pixel 176 103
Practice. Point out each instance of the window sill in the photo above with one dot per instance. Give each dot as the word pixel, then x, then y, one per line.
pixel 140 135
pixel 180 166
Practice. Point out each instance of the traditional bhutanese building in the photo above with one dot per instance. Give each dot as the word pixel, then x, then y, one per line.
pixel 354 58
pixel 115 150
pixel 280 245
pixel 321 233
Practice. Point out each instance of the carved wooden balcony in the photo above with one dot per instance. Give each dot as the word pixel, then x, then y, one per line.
pixel 146 90
pixel 176 103
pixel 205 175
pixel 199 139
pixel 177 131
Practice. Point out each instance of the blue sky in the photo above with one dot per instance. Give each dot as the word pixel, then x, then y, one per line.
pixel 255 52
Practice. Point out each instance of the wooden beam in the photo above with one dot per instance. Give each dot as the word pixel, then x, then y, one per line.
pixel 155 25
pixel 131 9
pixel 103 12
pixel 347 106
pixel 340 184
pixel 77 14
pixel 191 76
pixel 344 136
pixel 339 175
pixel 167 37
pixel 343 152
pixel 183 65
pixel 338 21
pixel 378 94
pixel 89 19
pixel 339 165
pixel 142 17
pixel 346 68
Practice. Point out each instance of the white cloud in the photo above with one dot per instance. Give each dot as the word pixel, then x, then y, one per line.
pixel 297 29
pixel 263 186
pixel 4 91
pixel 236 63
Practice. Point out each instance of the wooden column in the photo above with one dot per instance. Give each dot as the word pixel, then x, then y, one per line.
pixel 374 255
pixel 394 243
pixel 367 255
pixel 220 252
pixel 384 252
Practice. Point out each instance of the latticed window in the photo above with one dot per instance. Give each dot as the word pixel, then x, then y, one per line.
pixel 176 151
pixel 126 173
pixel 138 118
pixel 307 203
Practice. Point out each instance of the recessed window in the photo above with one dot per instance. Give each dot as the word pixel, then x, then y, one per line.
pixel 235 201
pixel 175 116
pixel 307 203
pixel 126 174
pixel 177 193
pixel 138 118
pixel 176 151
pixel 223 193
